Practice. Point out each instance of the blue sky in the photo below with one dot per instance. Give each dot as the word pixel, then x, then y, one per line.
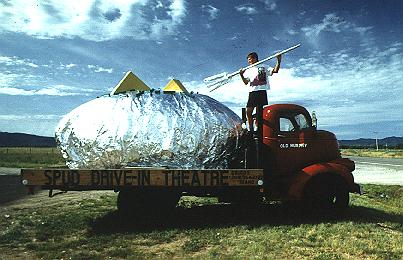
pixel 56 55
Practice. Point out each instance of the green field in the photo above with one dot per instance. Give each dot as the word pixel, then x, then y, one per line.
pixel 381 153
pixel 86 225
pixel 27 157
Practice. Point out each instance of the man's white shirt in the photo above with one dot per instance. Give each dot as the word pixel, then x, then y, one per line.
pixel 258 77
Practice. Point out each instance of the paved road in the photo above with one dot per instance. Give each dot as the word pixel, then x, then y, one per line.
pixel 9 171
pixel 378 170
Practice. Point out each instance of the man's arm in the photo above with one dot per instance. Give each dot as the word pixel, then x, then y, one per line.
pixel 245 81
pixel 277 67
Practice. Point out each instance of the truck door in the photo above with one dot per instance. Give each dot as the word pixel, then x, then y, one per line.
pixel 294 142
pixel 306 145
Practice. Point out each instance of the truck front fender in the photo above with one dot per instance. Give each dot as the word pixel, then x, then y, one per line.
pixel 342 167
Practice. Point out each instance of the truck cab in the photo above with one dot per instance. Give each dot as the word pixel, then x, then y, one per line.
pixel 299 161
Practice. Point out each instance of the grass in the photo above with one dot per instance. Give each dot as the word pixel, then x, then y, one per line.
pixel 381 153
pixel 86 225
pixel 30 157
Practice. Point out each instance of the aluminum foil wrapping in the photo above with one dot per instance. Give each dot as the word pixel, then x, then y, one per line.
pixel 150 129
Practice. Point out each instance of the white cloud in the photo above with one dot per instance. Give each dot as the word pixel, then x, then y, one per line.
pixel 53 91
pixel 177 10
pixel 246 9
pixel 270 5
pixel 234 94
pixel 56 90
pixel 95 20
pixel 14 76
pixel 28 117
pixel 343 87
pixel 8 77
pixel 16 61
pixel 100 69
pixel 361 30
pixel 333 23
pixel 159 4
pixel 71 65
pixel 330 23
pixel 97 69
pixel 162 27
pixel 292 32
pixel 45 91
pixel 66 66
pixel 14 91
pixel 211 10
pixel 32 124
pixel 17 75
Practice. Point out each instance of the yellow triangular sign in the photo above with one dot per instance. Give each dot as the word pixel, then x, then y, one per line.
pixel 130 82
pixel 175 85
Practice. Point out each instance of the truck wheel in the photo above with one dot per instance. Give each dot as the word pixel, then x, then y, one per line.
pixel 132 202
pixel 327 192
pixel 125 202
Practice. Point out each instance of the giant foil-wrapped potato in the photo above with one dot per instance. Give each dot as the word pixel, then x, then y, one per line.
pixel 175 130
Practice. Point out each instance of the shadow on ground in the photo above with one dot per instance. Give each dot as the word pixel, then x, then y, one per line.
pixel 229 215
pixel 11 188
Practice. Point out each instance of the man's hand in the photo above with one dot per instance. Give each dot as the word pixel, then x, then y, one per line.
pixel 277 67
pixel 241 72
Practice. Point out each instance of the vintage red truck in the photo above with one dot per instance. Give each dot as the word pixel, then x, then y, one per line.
pixel 286 159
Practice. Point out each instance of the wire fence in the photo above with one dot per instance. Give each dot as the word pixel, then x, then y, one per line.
pixel 29 150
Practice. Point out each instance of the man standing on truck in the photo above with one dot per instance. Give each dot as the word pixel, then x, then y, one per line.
pixel 256 78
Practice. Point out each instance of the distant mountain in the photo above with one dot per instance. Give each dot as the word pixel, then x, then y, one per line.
pixel 25 140
pixel 366 142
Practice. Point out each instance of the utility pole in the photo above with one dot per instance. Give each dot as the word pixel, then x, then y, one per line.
pixel 376 140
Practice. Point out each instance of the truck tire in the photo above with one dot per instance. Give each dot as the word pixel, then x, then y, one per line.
pixel 134 202
pixel 126 201
pixel 327 192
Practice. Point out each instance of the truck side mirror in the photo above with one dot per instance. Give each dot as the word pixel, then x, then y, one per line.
pixel 314 120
